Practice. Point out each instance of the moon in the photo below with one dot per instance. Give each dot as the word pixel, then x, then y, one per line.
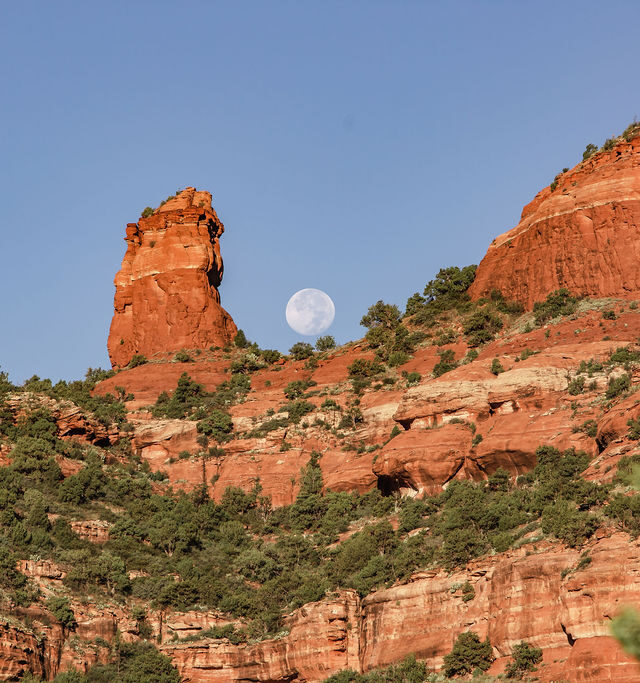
pixel 310 311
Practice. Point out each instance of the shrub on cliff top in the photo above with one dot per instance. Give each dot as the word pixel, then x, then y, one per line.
pixel 146 212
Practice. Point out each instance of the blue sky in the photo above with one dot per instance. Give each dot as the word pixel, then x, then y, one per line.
pixel 354 147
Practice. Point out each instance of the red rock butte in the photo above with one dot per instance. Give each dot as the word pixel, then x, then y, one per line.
pixel 167 287
pixel 583 235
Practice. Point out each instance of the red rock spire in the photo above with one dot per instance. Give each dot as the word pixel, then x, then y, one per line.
pixel 167 288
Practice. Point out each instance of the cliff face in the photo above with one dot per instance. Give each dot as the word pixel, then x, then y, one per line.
pixel 167 288
pixel 585 235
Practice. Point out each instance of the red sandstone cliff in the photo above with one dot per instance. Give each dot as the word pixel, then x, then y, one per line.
pixel 584 235
pixel 166 290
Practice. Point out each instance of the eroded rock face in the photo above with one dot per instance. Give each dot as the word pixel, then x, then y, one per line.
pixel 167 288
pixel 585 235
pixel 323 638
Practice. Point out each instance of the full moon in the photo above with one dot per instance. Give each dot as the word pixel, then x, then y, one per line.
pixel 310 311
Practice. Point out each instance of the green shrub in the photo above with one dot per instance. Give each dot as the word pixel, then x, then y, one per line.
pixel 450 286
pixel 571 526
pixel 481 327
pixel 590 428
pixel 325 343
pixel 468 654
pixel 589 151
pixel 446 363
pixel 617 386
pixel 468 592
pixel 609 315
pixel 576 385
pixel 624 356
pixel 362 367
pixel 61 610
pixel 217 425
pixel 136 360
pixel 558 303
pixel 496 366
pixel 412 378
pixel 182 357
pixel 297 388
pixel 270 356
pixel 524 658
pixel 381 315
pixel 301 351
pixel 240 340
pixel 296 410
pixel 146 212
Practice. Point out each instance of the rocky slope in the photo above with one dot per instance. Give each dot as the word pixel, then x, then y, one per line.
pixel 166 290
pixel 404 431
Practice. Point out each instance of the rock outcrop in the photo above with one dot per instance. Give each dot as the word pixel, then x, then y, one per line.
pixel 167 288
pixel 584 235
pixel 541 597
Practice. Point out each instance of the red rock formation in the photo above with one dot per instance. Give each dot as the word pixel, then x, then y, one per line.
pixel 585 235
pixel 323 638
pixel 166 290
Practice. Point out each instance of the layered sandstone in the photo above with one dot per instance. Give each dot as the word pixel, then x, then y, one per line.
pixel 537 594
pixel 584 235
pixel 167 288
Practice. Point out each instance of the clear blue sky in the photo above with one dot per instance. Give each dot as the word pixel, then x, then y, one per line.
pixel 355 147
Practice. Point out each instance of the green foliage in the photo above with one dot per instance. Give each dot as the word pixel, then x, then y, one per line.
pixel 146 212
pixel 576 385
pixel 296 410
pixel 626 629
pixel 364 368
pixel 297 388
pixel 381 316
pixel 496 366
pixel 136 360
pixel 590 428
pixel 481 327
pixel 468 654
pixel 187 395
pixel 446 363
pixel 560 302
pixel 450 286
pixel 301 351
pixel 412 378
pixel 564 521
pixel 270 356
pixel 634 431
pixel 468 592
pixel 618 385
pixel 415 303
pixel 217 425
pixel 130 663
pixel 524 658
pixel 61 610
pixel 325 343
pixel 624 356
pixel 240 340
pixel 609 315
pixel 247 363
pixel 589 151
pixel 409 670
pixel 182 357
